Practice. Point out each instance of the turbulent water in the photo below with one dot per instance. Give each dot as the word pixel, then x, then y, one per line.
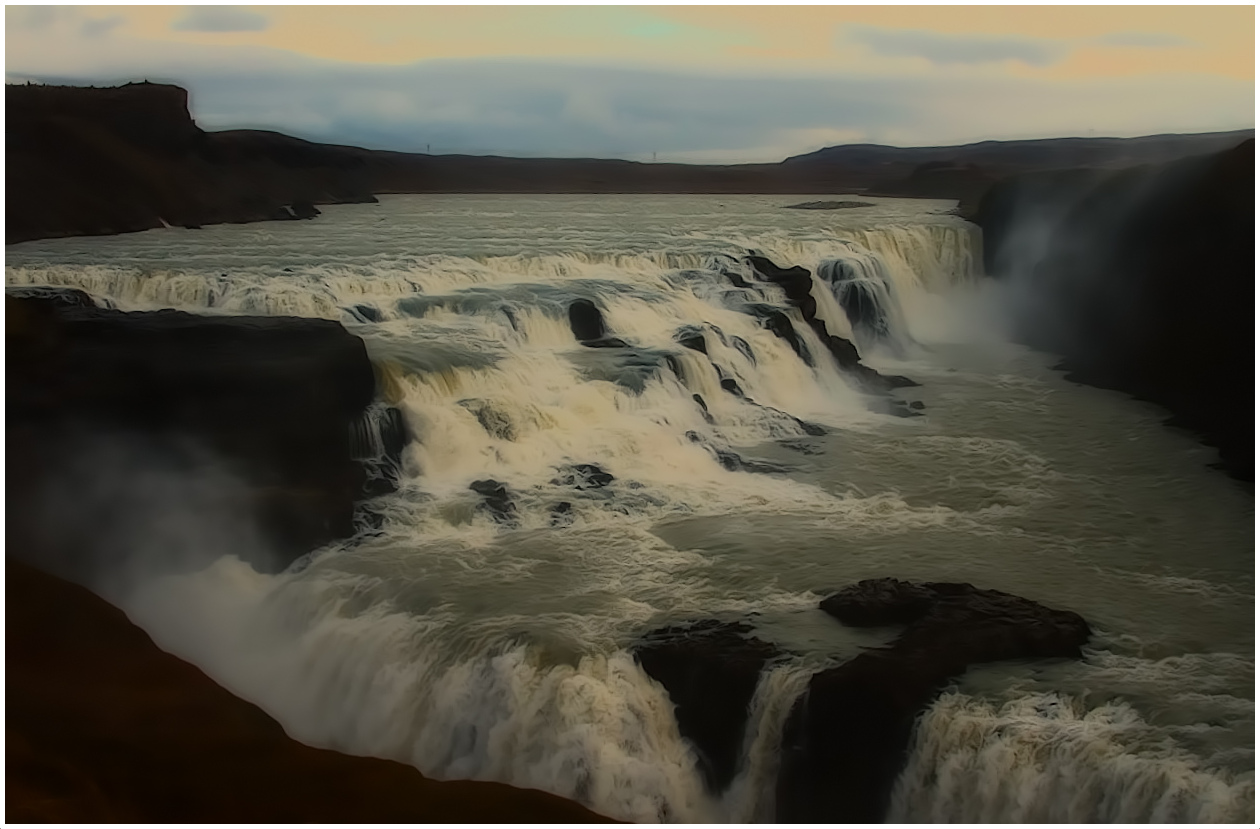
pixel 472 648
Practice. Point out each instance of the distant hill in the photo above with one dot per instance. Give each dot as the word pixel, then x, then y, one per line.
pixel 89 161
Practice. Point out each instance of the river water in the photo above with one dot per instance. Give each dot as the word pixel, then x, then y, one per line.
pixel 474 648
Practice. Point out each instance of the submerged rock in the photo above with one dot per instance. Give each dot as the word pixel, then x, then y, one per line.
pixel 846 738
pixel 711 670
pixel 828 205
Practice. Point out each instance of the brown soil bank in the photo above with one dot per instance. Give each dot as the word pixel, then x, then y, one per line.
pixel 102 726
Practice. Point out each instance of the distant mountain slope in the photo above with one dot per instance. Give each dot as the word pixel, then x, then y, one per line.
pixel 89 161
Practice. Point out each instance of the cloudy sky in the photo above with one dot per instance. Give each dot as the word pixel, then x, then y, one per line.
pixel 697 83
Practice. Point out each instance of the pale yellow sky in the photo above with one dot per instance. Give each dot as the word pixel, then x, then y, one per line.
pixel 1118 69
pixel 1219 39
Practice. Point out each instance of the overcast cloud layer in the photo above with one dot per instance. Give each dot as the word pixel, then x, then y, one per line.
pixel 582 108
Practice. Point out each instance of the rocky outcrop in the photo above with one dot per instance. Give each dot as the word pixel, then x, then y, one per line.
pixel 1144 281
pixel 255 418
pixel 101 727
pixel 797 283
pixel 711 670
pixel 114 160
pixel 846 738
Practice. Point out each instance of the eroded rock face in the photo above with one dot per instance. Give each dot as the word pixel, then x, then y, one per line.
pixel 269 402
pixel 711 670
pixel 846 738
pixel 1143 280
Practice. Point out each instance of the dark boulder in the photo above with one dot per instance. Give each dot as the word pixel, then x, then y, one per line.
pixel 269 402
pixel 582 476
pixel 585 320
pixel 711 670
pixel 691 337
pixel 496 500
pixel 367 313
pixel 846 738
pixel 304 210
pixel 731 387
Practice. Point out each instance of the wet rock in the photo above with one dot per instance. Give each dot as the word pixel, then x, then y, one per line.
pixel 562 514
pixel 585 320
pixel 711 670
pixel 583 476
pixel 691 337
pixel 367 313
pixel 744 348
pixel 917 405
pixel 606 342
pixel 704 408
pixel 496 499
pixel 730 386
pixel 845 741
pixel 778 323
pixel 52 297
pixel 736 280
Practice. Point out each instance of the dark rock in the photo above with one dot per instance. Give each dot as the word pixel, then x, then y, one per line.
pixel 304 210
pixel 916 405
pixel 691 337
pixel 272 399
pixel 729 385
pixel 562 514
pixel 704 408
pixel 584 476
pixel 585 320
pixel 711 670
pixel 497 500
pixel 53 297
pixel 828 205
pixel 367 312
pixel 744 348
pixel 606 342
pixel 736 280
pixel 846 738
pixel 777 322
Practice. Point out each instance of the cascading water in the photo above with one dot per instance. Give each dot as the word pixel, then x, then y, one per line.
pixel 715 463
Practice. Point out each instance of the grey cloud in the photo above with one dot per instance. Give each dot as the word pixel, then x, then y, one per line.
pixel 95 27
pixel 538 109
pixel 945 48
pixel 1144 40
pixel 221 19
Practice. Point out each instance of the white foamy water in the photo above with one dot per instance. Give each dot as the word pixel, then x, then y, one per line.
pixel 477 650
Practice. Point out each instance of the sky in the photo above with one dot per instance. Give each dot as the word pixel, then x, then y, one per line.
pixel 703 84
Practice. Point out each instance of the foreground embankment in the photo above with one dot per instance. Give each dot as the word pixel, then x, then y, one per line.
pixel 102 726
